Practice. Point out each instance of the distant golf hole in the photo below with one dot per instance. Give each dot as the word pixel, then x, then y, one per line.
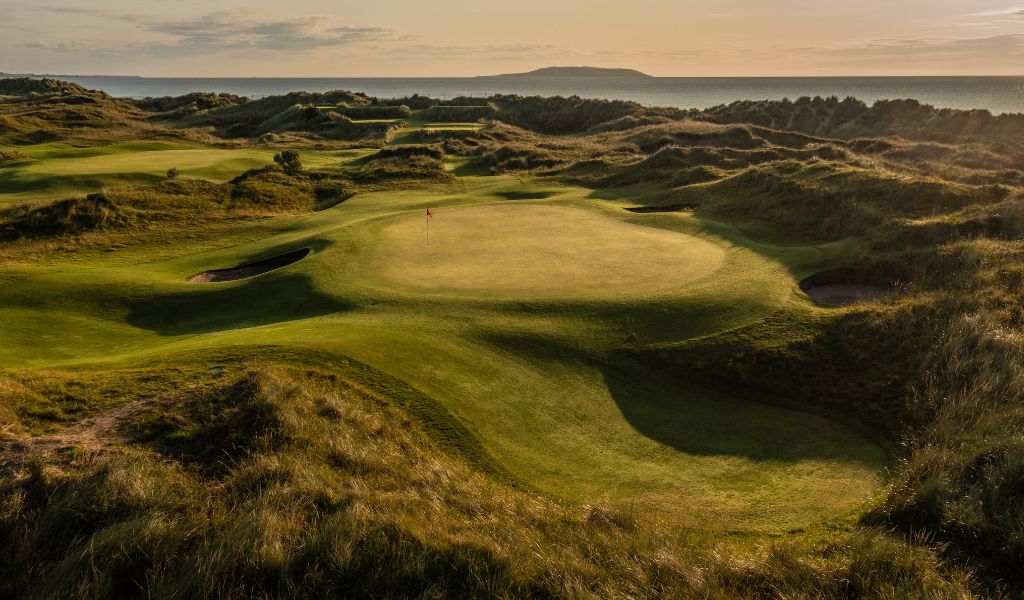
pixel 251 269
pixel 844 287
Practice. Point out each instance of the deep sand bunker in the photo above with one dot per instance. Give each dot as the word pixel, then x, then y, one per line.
pixel 538 251
pixel 844 287
pixel 251 269
pixel 665 208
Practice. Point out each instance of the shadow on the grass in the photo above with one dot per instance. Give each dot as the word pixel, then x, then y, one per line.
pixel 260 301
pixel 13 181
pixel 701 421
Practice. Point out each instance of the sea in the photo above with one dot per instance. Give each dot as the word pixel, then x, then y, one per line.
pixel 999 95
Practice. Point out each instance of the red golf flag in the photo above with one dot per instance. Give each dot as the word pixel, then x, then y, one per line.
pixel 429 214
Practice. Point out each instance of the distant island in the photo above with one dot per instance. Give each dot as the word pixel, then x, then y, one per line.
pixel 577 72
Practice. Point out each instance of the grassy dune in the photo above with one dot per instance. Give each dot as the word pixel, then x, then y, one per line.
pixel 324 487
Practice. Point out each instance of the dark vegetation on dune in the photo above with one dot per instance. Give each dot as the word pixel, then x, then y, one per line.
pixel 45 86
pixel 189 103
pixel 852 118
pixel 293 475
pixel 408 152
pixel 177 202
pixel 75 216
pixel 414 163
pixel 559 115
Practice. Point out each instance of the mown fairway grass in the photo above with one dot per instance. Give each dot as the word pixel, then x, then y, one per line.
pixel 511 320
pixel 417 122
pixel 60 170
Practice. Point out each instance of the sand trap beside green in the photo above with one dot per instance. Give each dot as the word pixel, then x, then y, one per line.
pixel 537 251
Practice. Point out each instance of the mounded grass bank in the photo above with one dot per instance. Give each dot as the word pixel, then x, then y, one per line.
pixel 299 481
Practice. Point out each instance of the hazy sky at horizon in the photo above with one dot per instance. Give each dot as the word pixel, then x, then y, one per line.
pixel 310 38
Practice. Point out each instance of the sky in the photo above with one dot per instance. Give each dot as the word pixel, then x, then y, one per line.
pixel 409 38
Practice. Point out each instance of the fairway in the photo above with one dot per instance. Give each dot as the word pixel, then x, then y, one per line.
pixel 56 171
pixel 537 251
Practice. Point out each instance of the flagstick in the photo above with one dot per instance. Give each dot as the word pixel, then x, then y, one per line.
pixel 428 227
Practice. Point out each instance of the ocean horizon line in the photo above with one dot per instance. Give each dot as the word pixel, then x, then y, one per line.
pixel 503 76
pixel 1001 94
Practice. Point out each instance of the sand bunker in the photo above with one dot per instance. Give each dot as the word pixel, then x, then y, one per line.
pixel 251 269
pixel 525 195
pixel 844 287
pixel 662 209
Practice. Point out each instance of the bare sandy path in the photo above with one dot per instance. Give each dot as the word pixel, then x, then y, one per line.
pixel 96 433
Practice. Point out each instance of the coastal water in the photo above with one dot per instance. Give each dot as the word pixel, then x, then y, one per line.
pixel 996 94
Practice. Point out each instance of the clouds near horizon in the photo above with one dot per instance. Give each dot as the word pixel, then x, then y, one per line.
pixel 458 37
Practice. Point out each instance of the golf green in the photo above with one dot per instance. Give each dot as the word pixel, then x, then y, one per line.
pixel 518 251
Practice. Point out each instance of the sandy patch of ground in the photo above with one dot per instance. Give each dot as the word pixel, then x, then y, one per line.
pixel 96 433
pixel 844 294
pixel 843 287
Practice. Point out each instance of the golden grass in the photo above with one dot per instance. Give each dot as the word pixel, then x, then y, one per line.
pixel 327 489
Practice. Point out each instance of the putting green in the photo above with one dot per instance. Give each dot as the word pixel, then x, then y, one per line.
pixel 537 251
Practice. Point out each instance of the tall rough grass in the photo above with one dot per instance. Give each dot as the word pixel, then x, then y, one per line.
pixel 963 479
pixel 324 489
